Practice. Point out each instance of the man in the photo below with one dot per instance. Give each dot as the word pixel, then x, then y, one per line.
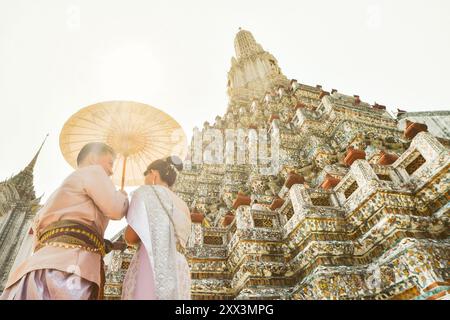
pixel 68 230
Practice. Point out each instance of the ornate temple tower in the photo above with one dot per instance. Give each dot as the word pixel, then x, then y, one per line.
pixel 18 205
pixel 253 71
pixel 358 210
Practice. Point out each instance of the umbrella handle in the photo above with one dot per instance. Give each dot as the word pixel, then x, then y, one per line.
pixel 123 171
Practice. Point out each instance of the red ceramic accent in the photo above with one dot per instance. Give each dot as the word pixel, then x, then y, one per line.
pixel 229 217
pixel 323 94
pixel 197 217
pixel 241 200
pixel 387 158
pixel 300 105
pixel 379 106
pixel 329 182
pixel 273 117
pixel 292 179
pixel 276 203
pixel 352 155
pixel 413 128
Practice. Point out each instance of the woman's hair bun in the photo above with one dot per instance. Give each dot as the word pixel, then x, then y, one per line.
pixel 176 162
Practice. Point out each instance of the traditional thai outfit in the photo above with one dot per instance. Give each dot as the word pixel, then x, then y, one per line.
pixel 159 269
pixel 68 247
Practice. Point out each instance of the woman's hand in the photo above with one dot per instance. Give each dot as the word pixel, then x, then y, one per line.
pixel 118 245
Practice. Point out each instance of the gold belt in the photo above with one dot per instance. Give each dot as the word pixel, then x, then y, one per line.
pixel 70 234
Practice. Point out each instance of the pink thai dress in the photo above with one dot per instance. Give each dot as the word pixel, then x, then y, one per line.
pixel 158 270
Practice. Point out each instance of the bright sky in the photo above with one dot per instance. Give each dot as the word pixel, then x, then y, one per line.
pixel 59 56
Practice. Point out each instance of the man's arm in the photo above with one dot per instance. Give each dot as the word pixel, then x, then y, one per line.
pixel 131 236
pixel 99 187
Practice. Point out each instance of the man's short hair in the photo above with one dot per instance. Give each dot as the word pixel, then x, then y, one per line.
pixel 98 148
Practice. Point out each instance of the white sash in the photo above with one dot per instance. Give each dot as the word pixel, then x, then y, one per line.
pixel 148 218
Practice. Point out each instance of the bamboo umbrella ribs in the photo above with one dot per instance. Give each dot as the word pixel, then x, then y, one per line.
pixel 139 134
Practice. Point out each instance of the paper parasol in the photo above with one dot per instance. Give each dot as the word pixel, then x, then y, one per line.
pixel 137 132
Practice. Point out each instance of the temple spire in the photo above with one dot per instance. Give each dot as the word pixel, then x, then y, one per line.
pixel 245 44
pixel 253 70
pixel 23 181
pixel 32 163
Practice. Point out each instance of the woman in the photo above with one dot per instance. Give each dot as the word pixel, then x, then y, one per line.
pixel 159 223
